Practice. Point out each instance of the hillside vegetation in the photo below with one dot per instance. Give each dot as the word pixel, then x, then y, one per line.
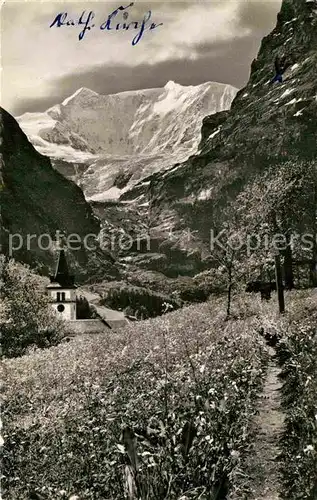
pixel 26 316
pixel 161 409
pixel 297 353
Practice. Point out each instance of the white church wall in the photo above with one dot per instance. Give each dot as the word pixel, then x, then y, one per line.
pixel 68 294
pixel 69 310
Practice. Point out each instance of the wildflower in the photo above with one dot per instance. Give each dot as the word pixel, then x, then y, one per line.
pixel 307 380
pixel 235 453
pixel 309 448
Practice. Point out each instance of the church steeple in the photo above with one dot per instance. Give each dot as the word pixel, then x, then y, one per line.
pixel 62 275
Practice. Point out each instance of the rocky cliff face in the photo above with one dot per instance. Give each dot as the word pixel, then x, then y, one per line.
pixel 37 201
pixel 267 124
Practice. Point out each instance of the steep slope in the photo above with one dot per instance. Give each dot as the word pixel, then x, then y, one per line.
pixel 108 143
pixel 37 201
pixel 267 124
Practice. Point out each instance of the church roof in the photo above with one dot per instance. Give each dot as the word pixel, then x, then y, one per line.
pixel 62 275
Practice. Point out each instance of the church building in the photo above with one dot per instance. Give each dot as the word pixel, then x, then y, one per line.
pixel 62 290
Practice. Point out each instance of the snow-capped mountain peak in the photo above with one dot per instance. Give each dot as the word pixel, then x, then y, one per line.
pixel 170 85
pixel 130 134
pixel 83 93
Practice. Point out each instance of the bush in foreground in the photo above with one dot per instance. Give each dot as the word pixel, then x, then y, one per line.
pixel 26 317
pixel 298 355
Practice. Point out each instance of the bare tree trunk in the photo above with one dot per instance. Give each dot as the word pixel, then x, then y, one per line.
pixel 313 263
pixel 229 293
pixel 313 270
pixel 279 284
pixel 288 266
pixel 298 280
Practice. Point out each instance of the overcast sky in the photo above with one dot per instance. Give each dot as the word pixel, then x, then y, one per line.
pixel 200 41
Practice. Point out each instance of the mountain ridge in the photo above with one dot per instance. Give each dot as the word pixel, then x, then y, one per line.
pixel 267 124
pixel 37 202
pixel 128 135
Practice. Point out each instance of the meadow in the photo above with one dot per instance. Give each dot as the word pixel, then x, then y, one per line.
pixel 297 354
pixel 161 409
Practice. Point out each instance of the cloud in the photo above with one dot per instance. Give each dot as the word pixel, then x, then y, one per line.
pixel 216 62
pixel 258 16
pixel 199 41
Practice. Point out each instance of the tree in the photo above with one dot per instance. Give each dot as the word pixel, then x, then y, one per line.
pixel 83 310
pixel 229 254
pixel 26 316
pixel 284 201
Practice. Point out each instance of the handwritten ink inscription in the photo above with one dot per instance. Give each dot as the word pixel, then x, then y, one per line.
pixel 111 23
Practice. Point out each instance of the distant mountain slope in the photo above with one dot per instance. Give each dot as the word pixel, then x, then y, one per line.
pixel 36 200
pixel 107 143
pixel 266 125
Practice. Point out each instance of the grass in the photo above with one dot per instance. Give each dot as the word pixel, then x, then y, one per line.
pixel 297 352
pixel 296 332
pixel 183 387
pixel 161 409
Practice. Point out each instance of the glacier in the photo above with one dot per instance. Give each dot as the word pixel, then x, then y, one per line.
pixel 109 143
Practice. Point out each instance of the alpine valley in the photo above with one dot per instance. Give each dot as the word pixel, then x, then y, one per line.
pixel 117 384
pixel 168 161
pixel 109 143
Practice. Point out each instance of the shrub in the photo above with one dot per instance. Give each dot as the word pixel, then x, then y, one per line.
pixel 142 303
pixel 83 309
pixel 298 355
pixel 26 317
